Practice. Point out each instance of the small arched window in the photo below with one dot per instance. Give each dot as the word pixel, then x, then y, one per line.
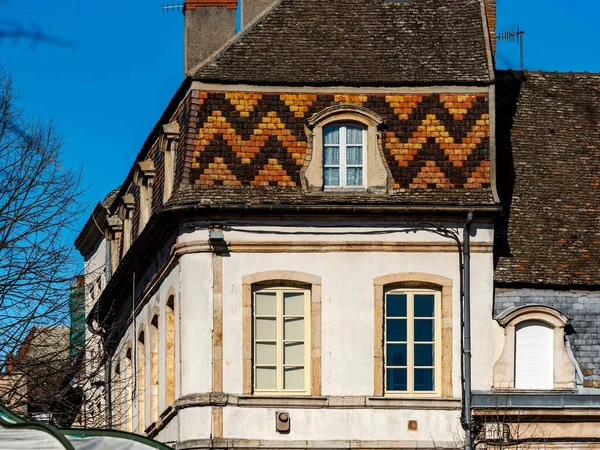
pixel 170 351
pixel 344 155
pixel 127 384
pixel 141 383
pixel 117 396
pixel 154 370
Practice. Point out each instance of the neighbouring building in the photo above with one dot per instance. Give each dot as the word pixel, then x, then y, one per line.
pixel 285 264
pixel 31 382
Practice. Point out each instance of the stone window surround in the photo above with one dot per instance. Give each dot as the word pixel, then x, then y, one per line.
pixel 421 281
pixel 143 177
pixel 113 232
pixel 126 213
pixel 504 368
pixel 168 143
pixel 377 175
pixel 282 278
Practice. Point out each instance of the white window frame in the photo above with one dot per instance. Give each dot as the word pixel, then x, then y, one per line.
pixel 437 343
pixel 280 291
pixel 343 166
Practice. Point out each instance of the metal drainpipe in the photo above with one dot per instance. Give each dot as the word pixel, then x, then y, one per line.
pixel 467 328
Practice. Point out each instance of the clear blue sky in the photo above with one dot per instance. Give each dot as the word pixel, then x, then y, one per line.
pixel 106 94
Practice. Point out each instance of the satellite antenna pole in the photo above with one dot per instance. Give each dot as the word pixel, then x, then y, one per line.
pixel 514 35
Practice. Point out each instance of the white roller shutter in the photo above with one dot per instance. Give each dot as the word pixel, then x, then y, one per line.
pixel 534 356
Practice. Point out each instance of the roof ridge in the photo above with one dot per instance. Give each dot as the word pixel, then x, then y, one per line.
pixel 548 72
pixel 237 37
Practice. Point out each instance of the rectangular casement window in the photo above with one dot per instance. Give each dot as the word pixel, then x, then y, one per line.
pixel 412 342
pixel 281 340
pixel 344 155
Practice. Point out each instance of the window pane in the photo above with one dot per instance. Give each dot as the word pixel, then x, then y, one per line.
pixel 424 330
pixel 396 380
pixel 354 176
pixel 395 355
pixel 266 378
pixel 293 379
pixel 331 156
pixel 293 329
pixel 331 176
pixel 395 305
pixel 396 330
pixel 266 304
pixel 424 380
pixel 423 354
pixel 354 155
pixel 424 305
pixel 331 135
pixel 266 329
pixel 293 303
pixel 354 135
pixel 294 354
pixel 266 353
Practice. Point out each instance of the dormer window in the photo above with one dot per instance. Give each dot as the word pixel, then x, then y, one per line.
pixel 534 355
pixel 344 151
pixel 344 147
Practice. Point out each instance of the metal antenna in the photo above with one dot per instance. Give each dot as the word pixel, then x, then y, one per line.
pixel 513 35
pixel 172 7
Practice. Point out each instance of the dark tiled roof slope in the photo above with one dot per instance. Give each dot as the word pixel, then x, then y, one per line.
pixel 548 147
pixel 248 195
pixel 358 42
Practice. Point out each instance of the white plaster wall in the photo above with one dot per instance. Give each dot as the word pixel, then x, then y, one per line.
pixel 347 309
pixel 196 323
pixel 195 423
pixel 342 424
pixel 347 334
pixel 94 266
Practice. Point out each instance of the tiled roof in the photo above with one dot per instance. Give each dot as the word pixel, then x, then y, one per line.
pixel 248 195
pixel 548 130
pixel 357 42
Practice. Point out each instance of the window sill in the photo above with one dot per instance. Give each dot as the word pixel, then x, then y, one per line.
pixel 279 400
pixel 344 190
pixel 417 402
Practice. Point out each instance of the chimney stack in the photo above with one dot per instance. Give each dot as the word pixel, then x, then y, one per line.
pixel 490 10
pixel 251 9
pixel 208 25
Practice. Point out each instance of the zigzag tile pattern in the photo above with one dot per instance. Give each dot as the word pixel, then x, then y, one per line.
pixel 431 141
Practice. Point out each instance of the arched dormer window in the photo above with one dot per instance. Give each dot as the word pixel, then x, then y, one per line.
pixel 344 149
pixel 534 355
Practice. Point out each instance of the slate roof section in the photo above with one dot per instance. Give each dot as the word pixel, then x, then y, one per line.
pixel 583 308
pixel 548 151
pixel 357 43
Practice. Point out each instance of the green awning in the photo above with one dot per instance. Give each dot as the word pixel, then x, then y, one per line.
pixel 18 433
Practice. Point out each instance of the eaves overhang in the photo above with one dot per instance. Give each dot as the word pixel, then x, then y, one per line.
pixel 91 232
pixel 533 400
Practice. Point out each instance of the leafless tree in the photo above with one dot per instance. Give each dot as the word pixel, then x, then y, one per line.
pixel 38 206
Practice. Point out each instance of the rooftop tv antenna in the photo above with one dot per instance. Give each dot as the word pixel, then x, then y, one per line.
pixel 172 7
pixel 514 35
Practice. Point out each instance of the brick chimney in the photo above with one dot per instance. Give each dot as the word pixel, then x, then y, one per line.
pixel 490 10
pixel 208 25
pixel 251 9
